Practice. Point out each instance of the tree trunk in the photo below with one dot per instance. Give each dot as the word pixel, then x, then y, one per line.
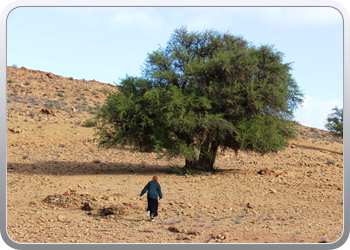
pixel 205 160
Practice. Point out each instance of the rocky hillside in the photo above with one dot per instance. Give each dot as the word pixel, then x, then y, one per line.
pixel 292 196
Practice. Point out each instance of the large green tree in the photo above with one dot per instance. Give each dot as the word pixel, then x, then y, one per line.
pixel 334 122
pixel 203 91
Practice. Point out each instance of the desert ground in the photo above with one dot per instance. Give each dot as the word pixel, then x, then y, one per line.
pixel 293 196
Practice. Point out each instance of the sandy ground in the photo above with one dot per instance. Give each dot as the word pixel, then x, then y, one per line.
pixel 294 196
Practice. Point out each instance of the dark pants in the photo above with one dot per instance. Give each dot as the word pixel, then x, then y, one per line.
pixel 153 206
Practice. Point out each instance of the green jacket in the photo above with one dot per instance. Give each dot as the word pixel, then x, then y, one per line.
pixel 153 190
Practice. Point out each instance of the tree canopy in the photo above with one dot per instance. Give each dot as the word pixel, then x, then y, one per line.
pixel 334 122
pixel 203 91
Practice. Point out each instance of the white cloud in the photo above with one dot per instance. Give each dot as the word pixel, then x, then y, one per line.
pixel 314 112
pixel 90 16
pixel 296 17
pixel 118 17
pixel 155 18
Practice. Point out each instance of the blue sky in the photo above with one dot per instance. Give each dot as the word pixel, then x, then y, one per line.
pixel 105 44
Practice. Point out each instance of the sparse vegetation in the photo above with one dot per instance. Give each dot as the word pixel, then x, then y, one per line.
pixel 330 162
pixel 335 122
pixel 32 114
pixel 90 123
pixel 50 154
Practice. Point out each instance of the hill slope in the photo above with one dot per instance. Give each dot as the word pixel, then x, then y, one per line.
pixel 294 196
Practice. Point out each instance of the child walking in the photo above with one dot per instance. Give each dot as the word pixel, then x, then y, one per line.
pixel 154 190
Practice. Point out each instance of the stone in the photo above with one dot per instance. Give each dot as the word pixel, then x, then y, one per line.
pixel 86 207
pixel 174 229
pixel 322 240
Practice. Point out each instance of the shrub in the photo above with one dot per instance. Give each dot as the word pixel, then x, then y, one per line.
pixel 330 162
pixel 27 83
pixel 32 113
pixel 10 81
pixel 96 161
pixel 90 123
pixel 60 94
pixel 335 122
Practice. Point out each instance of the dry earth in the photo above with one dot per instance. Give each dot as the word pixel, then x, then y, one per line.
pixel 294 196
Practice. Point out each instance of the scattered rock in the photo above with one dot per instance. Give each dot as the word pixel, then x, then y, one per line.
pixel 214 236
pixel 273 191
pixel 15 130
pixel 131 204
pixel 50 75
pixel 61 218
pixel 249 205
pixel 86 207
pixel 147 230
pixel 174 229
pixel 33 203
pixel 322 240
pixel 194 232
pixel 114 210
pixel 52 112
pixel 107 211
pixel 266 171
pixel 182 237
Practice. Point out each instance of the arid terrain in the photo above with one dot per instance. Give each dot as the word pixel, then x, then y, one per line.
pixel 294 196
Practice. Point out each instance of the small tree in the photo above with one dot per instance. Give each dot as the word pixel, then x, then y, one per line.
pixel 334 122
pixel 203 91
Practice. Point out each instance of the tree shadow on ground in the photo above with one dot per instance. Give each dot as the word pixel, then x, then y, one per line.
pixel 70 168
pixel 317 148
